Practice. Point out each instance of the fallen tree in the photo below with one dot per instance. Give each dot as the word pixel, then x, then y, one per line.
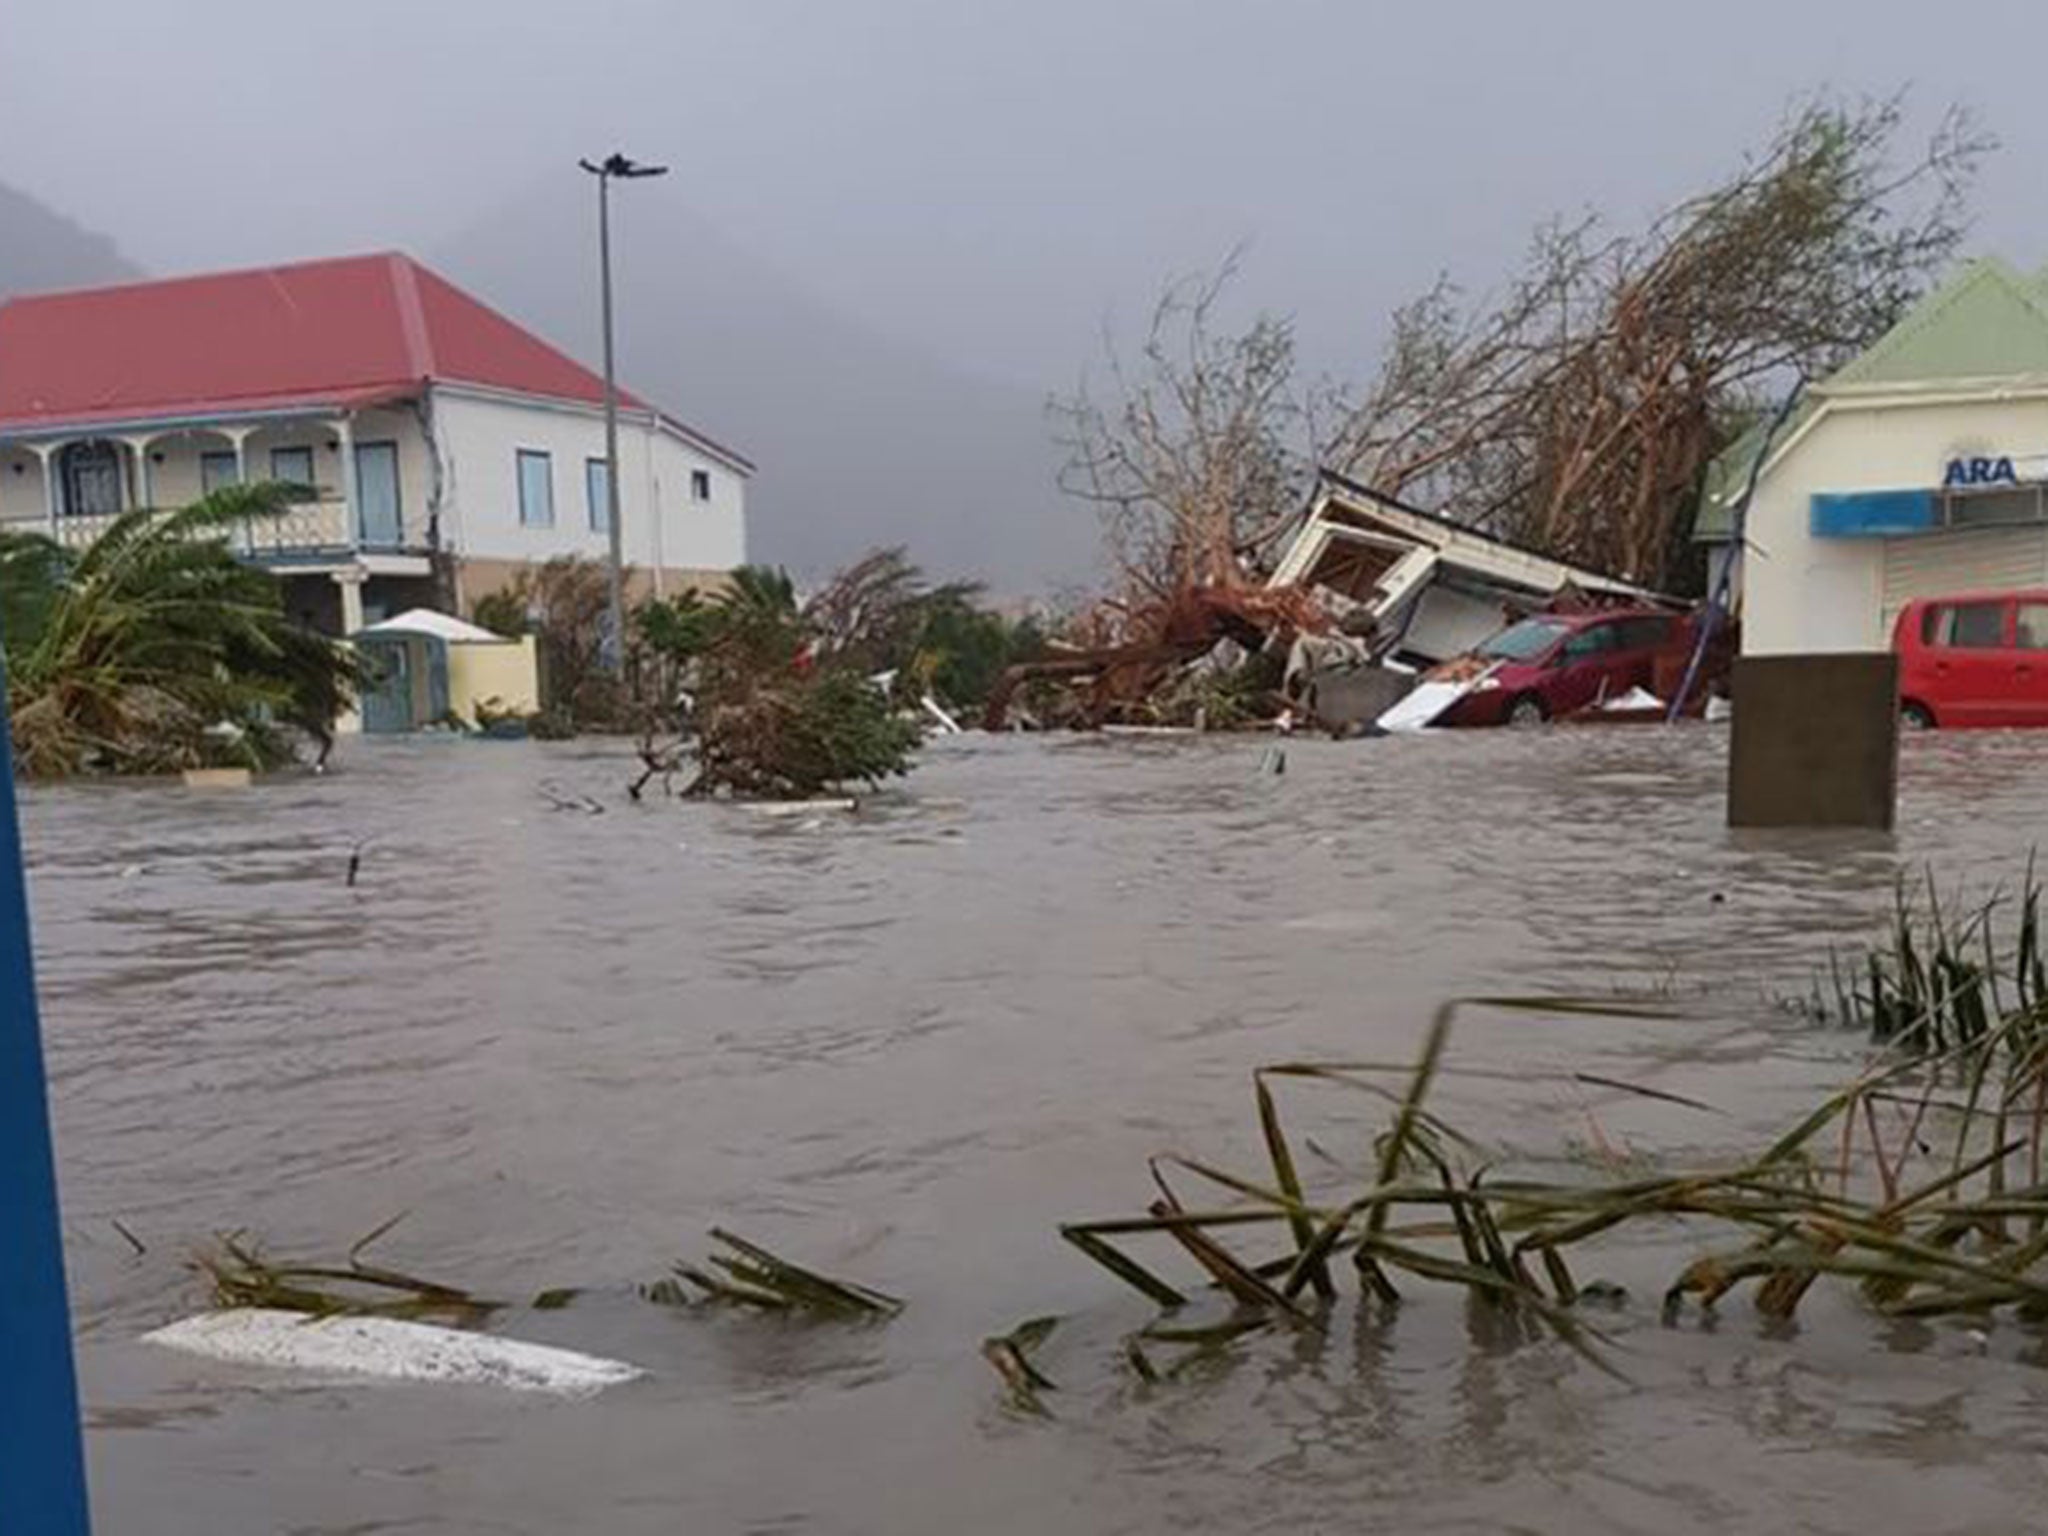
pixel 1576 412
pixel 787 699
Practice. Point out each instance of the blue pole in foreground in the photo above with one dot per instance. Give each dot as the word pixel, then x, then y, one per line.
pixel 42 1464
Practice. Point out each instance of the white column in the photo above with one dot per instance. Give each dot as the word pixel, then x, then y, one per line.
pixel 345 430
pixel 351 585
pixel 239 436
pixel 52 497
pixel 139 446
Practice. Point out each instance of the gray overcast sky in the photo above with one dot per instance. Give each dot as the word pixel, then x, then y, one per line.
pixel 985 181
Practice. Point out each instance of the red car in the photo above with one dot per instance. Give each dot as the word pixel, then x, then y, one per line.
pixel 1551 664
pixel 1979 659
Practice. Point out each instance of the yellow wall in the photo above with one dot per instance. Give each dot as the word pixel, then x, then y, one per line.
pixel 507 673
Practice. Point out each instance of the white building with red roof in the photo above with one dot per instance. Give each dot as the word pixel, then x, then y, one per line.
pixel 443 446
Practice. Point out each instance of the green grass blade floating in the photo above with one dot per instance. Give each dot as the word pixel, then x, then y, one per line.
pixel 1125 1268
pixel 1395 1151
pixel 1289 1180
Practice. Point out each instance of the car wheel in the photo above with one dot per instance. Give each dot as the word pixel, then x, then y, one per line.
pixel 1916 717
pixel 1527 711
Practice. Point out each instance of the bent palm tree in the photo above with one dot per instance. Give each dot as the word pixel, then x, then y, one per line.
pixel 156 649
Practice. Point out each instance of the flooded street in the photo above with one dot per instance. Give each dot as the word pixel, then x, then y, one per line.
pixel 903 1047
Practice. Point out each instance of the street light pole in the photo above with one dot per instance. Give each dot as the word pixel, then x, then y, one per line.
pixel 615 608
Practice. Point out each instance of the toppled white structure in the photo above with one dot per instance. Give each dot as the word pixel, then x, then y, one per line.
pixel 394 1350
pixel 1418 588
pixel 1407 590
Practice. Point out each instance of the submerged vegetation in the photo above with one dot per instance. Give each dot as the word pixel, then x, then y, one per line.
pixel 238 1274
pixel 155 649
pixel 1922 1183
pixel 748 1275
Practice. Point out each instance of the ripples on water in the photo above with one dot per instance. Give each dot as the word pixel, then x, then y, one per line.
pixel 907 1045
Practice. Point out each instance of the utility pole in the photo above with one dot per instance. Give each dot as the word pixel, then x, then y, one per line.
pixel 615 612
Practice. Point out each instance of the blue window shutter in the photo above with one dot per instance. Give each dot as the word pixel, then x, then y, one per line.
pixel 1872 514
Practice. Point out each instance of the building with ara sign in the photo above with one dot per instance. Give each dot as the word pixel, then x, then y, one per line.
pixel 1918 470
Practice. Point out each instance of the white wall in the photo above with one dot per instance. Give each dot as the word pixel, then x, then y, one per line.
pixel 1803 594
pixel 480 438
pixel 21 487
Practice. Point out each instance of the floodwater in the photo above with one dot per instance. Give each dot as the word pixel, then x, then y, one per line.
pixel 903 1047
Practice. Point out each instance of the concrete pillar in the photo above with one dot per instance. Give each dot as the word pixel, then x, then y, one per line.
pixel 351 585
pixel 239 436
pixel 344 429
pixel 52 488
pixel 139 446
pixel 1815 741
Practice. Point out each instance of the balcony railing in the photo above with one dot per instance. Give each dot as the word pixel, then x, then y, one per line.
pixel 303 529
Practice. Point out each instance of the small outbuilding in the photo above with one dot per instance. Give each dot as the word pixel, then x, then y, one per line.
pixel 430 668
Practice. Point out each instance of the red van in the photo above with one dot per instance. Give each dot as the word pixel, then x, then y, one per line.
pixel 1976 659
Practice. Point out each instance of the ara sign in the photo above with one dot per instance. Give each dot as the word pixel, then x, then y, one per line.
pixel 1978 471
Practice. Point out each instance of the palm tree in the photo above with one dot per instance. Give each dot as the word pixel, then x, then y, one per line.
pixel 156 649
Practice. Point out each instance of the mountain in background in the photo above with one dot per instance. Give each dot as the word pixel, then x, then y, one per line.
pixel 860 442
pixel 41 249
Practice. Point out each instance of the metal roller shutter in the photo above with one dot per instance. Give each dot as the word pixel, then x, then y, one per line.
pixel 1962 560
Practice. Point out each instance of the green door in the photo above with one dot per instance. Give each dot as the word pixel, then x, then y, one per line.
pixel 387 695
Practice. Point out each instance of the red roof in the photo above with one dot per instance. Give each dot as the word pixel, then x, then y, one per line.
pixel 339 333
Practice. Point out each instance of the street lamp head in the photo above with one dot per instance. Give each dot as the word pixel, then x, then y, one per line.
pixel 619 165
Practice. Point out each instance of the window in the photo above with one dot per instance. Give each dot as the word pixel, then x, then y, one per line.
pixel 1524 641
pixel 536 489
pixel 1590 642
pixel 1971 626
pixel 1645 634
pixel 597 494
pixel 700 485
pixel 1993 509
pixel 292 466
pixel 217 469
pixel 2031 633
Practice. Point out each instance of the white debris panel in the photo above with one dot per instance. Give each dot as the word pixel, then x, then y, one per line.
pixel 391 1349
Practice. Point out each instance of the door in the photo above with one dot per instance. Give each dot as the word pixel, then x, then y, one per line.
pixel 1971 661
pixel 1635 658
pixel 380 520
pixel 387 695
pixel 92 479
pixel 1581 674
pixel 2029 701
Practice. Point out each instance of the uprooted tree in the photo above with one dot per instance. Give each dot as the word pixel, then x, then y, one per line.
pixel 1576 413
pixel 1197 459
pixel 790 698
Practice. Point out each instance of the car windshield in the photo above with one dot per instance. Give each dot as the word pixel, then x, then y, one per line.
pixel 1523 641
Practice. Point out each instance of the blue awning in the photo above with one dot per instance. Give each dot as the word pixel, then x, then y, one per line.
pixel 1872 514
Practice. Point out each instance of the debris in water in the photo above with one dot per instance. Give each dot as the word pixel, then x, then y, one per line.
pixel 390 1348
pixel 1010 1354
pixel 754 1277
pixel 241 1277
pixel 566 800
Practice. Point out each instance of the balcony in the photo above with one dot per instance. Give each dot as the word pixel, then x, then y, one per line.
pixel 306 531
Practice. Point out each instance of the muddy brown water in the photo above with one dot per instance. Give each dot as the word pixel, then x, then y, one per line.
pixel 904 1046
